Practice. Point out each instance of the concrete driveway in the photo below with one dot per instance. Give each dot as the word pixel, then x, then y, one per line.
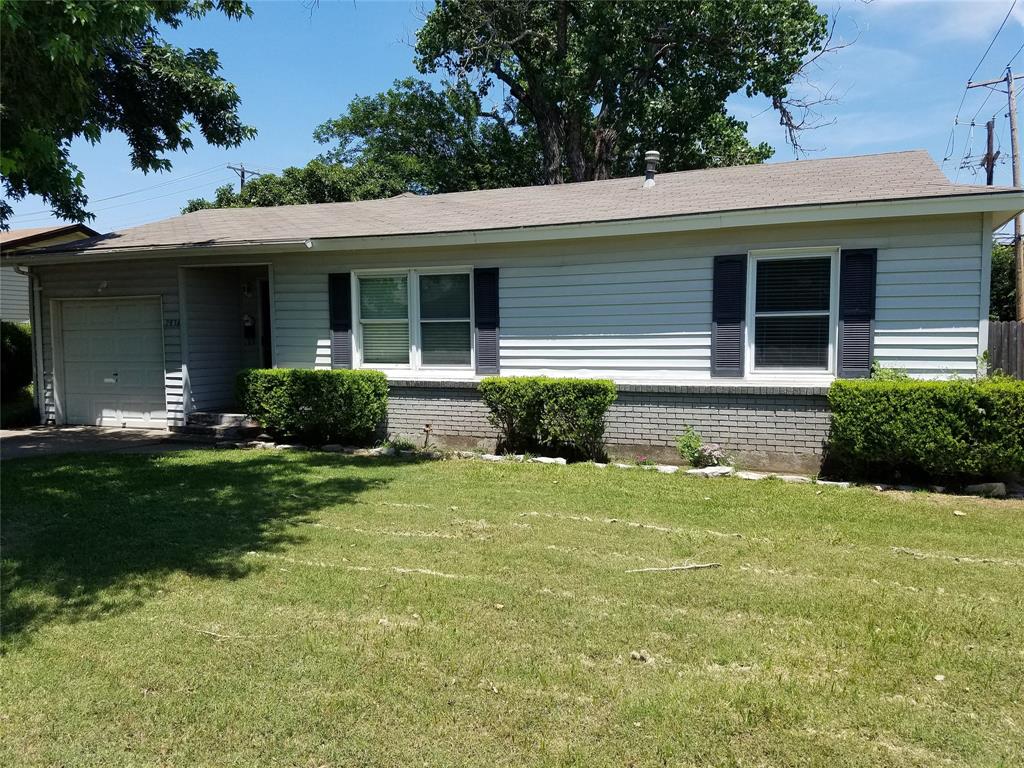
pixel 52 441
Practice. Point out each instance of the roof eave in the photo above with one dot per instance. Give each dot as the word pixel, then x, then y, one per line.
pixel 67 229
pixel 1003 205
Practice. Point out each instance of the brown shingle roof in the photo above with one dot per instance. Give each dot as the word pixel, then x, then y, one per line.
pixel 29 235
pixel 894 176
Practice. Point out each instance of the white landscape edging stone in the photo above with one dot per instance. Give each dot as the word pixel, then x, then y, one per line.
pixel 746 474
pixel 716 471
pixel 996 490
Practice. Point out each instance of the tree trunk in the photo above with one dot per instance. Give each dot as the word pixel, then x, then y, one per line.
pixel 550 135
pixel 574 148
pixel 604 152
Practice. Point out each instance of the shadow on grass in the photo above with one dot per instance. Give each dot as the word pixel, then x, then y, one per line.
pixel 85 537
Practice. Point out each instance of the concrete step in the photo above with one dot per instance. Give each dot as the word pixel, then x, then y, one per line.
pixel 216 433
pixel 213 419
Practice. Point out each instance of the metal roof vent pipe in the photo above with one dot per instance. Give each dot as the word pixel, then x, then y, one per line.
pixel 651 158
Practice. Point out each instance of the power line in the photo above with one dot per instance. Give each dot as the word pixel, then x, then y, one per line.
pixel 951 142
pixel 204 185
pixel 993 41
pixel 1015 55
pixel 150 188
pixel 1009 79
pixel 242 172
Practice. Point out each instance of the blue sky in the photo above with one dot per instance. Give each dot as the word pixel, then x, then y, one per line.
pixel 899 86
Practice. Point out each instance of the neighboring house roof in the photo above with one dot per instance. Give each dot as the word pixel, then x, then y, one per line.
pixel 897 176
pixel 38 236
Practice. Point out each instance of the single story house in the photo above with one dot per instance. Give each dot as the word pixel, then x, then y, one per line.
pixel 14 290
pixel 724 299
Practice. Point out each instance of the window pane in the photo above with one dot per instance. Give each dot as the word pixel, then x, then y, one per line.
pixel 384 298
pixel 793 285
pixel 445 343
pixel 385 343
pixel 791 342
pixel 444 297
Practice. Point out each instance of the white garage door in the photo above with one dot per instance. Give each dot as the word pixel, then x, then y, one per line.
pixel 113 362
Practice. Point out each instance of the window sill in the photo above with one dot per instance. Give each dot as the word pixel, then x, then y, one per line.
pixel 425 374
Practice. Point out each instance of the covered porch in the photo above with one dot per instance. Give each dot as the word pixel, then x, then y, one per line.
pixel 226 328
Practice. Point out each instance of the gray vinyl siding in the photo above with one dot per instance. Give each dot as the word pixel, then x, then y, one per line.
pixel 639 309
pixel 302 334
pixel 649 318
pixel 928 302
pixel 14 304
pixel 212 325
pixel 154 278
pixel 631 309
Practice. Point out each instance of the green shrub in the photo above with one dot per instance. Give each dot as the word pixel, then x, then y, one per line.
pixel 881 373
pixel 561 417
pixel 15 358
pixel 689 444
pixel 951 431
pixel 316 406
pixel 19 410
pixel 515 405
pixel 695 452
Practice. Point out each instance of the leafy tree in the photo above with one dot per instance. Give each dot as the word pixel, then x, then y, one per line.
pixel 603 81
pixel 84 67
pixel 316 182
pixel 411 138
pixel 435 140
pixel 1003 296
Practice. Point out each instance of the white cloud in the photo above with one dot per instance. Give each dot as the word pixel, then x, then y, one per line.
pixel 943 21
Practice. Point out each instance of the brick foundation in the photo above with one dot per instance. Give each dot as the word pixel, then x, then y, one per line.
pixel 781 428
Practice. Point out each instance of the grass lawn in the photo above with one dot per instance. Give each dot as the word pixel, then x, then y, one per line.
pixel 257 608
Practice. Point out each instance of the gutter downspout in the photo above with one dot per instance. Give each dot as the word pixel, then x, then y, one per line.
pixel 35 296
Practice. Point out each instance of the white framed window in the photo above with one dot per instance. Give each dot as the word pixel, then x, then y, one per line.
pixel 792 311
pixel 384 319
pixel 446 319
pixel 414 319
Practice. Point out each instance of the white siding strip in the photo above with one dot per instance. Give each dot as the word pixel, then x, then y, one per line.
pixel 927 309
pixel 14 304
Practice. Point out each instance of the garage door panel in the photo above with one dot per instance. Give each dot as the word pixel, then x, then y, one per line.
pixel 112 351
pixel 112 313
pixel 140 413
pixel 95 411
pixel 105 346
pixel 137 379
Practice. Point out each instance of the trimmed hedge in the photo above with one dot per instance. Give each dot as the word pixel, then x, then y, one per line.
pixel 316 407
pixel 953 431
pixel 15 358
pixel 560 417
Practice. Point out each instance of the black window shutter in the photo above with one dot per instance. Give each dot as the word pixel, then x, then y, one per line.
pixel 485 310
pixel 728 315
pixel 856 312
pixel 339 291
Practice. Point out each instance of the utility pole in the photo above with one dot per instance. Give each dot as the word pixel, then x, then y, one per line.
pixel 242 173
pixel 988 162
pixel 1018 237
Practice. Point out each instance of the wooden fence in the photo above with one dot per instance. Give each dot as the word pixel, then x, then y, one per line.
pixel 1006 347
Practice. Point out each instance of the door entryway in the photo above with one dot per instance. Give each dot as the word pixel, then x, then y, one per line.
pixel 111 362
pixel 227 329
